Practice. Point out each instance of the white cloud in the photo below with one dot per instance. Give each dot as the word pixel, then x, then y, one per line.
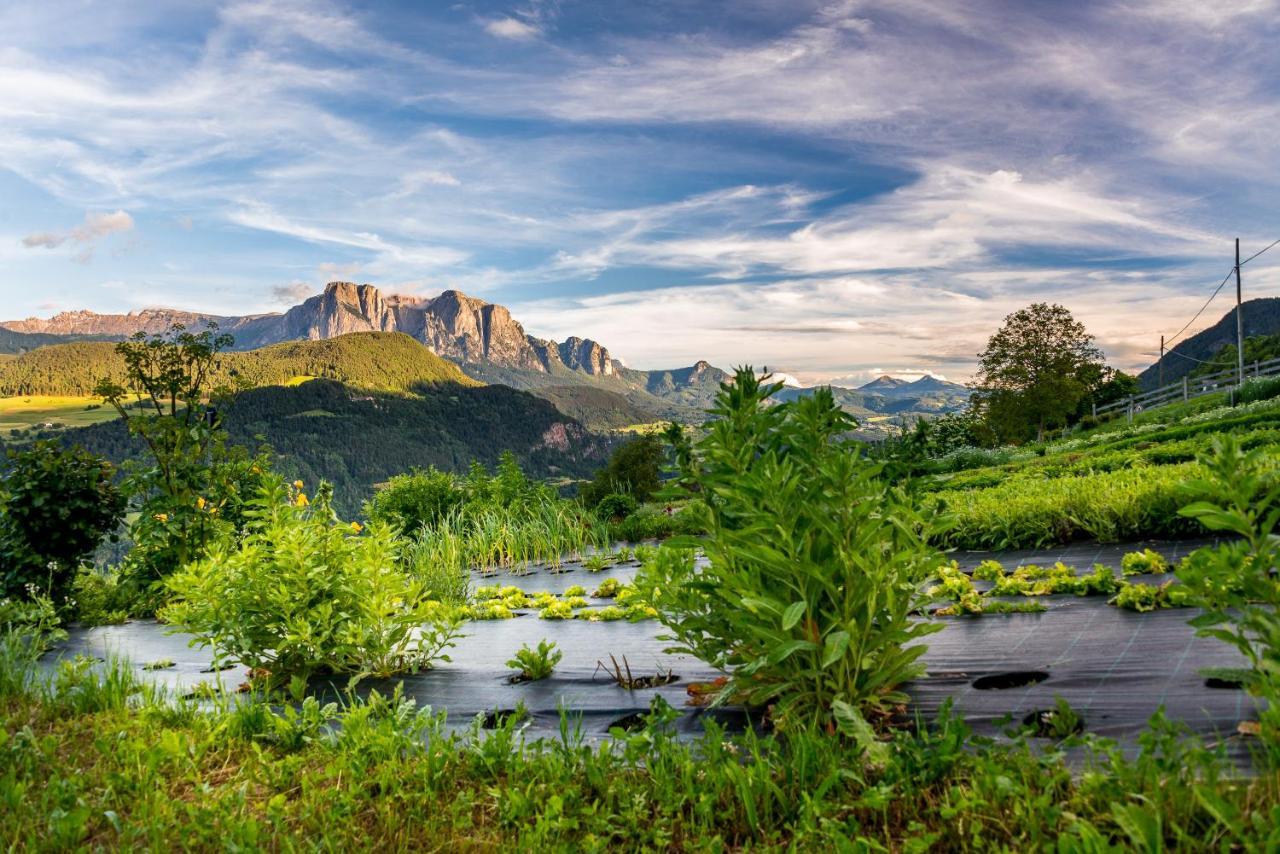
pixel 95 227
pixel 292 293
pixel 511 28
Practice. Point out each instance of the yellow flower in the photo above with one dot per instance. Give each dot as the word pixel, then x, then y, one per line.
pixel 161 517
pixel 200 503
pixel 357 527
pixel 301 500
pixel 297 484
pixel 255 470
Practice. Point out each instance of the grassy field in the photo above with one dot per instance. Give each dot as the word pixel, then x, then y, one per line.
pixel 19 413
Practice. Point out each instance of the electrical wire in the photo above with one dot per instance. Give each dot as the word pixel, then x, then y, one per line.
pixel 1256 254
pixel 1212 296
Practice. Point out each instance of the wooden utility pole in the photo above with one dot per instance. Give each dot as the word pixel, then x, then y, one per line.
pixel 1239 320
pixel 1160 364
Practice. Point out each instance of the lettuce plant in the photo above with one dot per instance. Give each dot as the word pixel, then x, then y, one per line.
pixel 814 563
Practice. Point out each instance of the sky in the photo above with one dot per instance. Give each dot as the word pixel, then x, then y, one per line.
pixel 835 189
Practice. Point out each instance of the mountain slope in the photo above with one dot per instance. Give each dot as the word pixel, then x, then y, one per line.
pixel 355 438
pixel 1261 317
pixel 371 360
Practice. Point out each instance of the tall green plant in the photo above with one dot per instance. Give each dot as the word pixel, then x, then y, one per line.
pixel 304 594
pixel 194 488
pixel 1236 583
pixel 814 563
pixel 55 507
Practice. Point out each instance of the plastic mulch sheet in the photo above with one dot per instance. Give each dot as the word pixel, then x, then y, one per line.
pixel 1115 668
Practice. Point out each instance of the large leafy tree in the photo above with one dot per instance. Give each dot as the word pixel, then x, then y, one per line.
pixel 1035 371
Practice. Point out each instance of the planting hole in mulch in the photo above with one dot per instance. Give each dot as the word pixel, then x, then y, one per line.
pixel 1013 679
pixel 1044 723
pixel 216 668
pixel 1224 683
pixel 499 717
pixel 629 723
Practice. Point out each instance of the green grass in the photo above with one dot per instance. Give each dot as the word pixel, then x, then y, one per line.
pixel 96 763
pixel 19 413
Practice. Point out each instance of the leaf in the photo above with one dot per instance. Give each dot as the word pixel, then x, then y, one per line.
pixel 792 615
pixel 789 648
pixel 834 648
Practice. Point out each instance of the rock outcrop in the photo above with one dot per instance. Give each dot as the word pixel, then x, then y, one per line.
pixel 454 325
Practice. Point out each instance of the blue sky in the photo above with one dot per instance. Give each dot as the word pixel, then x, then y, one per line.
pixel 836 189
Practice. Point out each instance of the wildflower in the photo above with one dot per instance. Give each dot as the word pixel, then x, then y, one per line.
pixel 301 500
pixel 161 517
pixel 297 484
pixel 357 527
pixel 200 503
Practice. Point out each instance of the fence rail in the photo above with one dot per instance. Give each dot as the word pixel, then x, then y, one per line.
pixel 1188 388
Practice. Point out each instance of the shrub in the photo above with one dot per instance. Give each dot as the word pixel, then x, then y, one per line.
pixel 98 598
pixel 57 506
pixel 814 565
pixel 634 469
pixel 415 500
pixel 535 664
pixel 615 506
pixel 304 594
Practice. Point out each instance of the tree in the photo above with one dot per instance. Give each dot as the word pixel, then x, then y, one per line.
pixel 1035 371
pixel 57 506
pixel 197 487
pixel 635 469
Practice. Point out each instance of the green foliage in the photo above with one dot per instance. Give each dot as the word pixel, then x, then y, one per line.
pixel 193 490
pixel 303 594
pixel 616 506
pixel 1030 512
pixel 634 469
pixel 442 580
pixel 814 563
pixel 1145 562
pixel 1032 580
pixel 366 360
pixel 55 508
pixel 1265 388
pixel 1149 597
pixel 1035 371
pixel 381 773
pixel 536 664
pixel 1235 583
pixel 98 598
pixel 419 499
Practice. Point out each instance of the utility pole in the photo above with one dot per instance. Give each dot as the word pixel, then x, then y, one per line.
pixel 1160 364
pixel 1239 320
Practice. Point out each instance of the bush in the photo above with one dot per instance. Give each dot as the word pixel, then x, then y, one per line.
pixel 57 506
pixel 304 594
pixel 814 564
pixel 416 500
pixel 615 506
pixel 98 597
pixel 634 469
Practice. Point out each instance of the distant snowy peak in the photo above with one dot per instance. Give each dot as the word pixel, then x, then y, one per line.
pixel 786 379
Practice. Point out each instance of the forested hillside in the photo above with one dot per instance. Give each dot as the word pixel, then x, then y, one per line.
pixel 356 438
pixel 370 360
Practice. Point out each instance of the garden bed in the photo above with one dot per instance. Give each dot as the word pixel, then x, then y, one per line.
pixel 1113 667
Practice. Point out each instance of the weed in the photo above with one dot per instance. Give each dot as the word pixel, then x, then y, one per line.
pixel 535 664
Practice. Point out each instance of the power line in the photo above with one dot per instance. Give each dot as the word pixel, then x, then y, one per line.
pixel 1256 254
pixel 1216 291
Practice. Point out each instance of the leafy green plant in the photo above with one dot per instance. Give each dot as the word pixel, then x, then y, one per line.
pixel 1235 583
pixel 55 507
pixel 535 664
pixel 597 562
pixel 988 570
pixel 1149 597
pixel 98 598
pixel 1032 580
pixel 616 506
pixel 1143 563
pixel 607 589
pixel 193 491
pixel 814 563
pixel 416 500
pixel 304 594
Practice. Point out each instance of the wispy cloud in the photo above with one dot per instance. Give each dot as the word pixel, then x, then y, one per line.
pixel 95 227
pixel 856 183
